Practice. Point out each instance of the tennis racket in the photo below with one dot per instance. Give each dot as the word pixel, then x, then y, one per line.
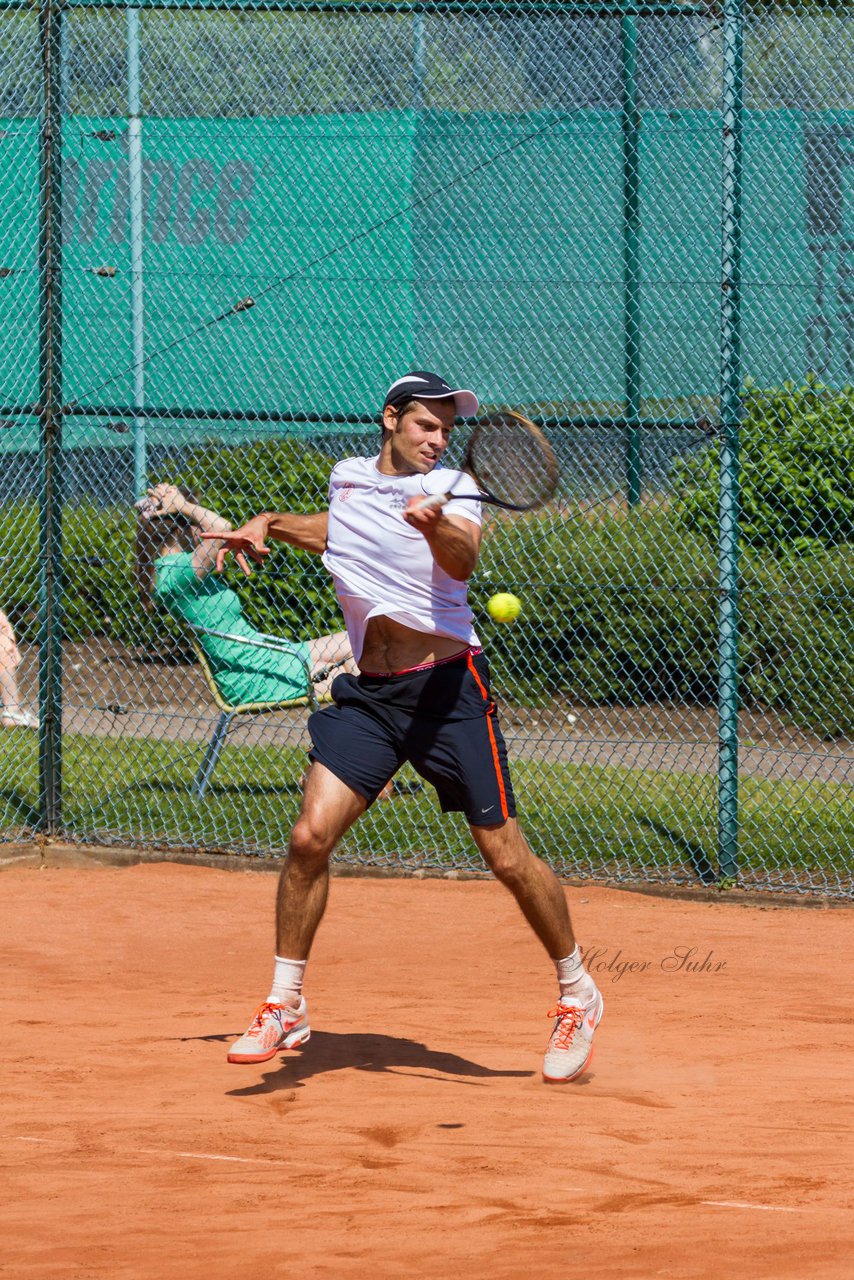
pixel 510 461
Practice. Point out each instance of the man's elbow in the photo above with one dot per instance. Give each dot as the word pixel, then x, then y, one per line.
pixel 315 545
pixel 463 569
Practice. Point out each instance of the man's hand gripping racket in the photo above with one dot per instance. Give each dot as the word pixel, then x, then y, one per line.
pixel 510 461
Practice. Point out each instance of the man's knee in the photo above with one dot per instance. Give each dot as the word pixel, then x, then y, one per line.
pixel 505 851
pixel 311 842
pixel 510 867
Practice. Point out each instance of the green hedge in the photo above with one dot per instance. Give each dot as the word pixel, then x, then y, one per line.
pixel 609 614
pixel 798 639
pixel 99 594
pixel 797 472
pixel 293 595
pixel 623 610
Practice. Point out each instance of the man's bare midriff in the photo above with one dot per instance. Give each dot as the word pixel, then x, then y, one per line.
pixel 389 646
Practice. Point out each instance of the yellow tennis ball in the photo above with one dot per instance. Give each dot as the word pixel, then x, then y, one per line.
pixel 503 607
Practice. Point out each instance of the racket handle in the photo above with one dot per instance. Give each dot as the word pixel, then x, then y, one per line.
pixel 435 500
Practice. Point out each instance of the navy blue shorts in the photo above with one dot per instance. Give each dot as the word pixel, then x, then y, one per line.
pixel 442 720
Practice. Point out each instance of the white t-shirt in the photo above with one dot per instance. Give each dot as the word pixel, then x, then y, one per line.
pixel 380 565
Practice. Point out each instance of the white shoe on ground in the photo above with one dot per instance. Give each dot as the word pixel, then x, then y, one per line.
pixel 570 1046
pixel 273 1027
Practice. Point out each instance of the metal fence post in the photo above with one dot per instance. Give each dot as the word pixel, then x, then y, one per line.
pixel 731 411
pixel 137 286
pixel 630 120
pixel 50 412
pixel 418 141
pixel 419 69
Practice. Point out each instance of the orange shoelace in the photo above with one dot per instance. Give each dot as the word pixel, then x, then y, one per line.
pixel 258 1017
pixel 571 1017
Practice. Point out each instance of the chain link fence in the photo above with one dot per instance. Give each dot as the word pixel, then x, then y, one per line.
pixel 229 227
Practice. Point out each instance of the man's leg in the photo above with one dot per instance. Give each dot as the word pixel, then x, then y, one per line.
pixel 329 808
pixel 532 882
pixel 539 894
pixel 12 710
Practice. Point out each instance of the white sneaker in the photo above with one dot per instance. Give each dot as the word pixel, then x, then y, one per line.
pixel 570 1046
pixel 273 1027
pixel 19 717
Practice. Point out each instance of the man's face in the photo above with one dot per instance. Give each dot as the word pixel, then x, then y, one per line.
pixel 419 436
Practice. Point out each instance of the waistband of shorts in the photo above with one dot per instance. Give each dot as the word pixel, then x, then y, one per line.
pixel 470 652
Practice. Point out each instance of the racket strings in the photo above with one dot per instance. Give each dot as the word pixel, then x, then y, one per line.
pixel 513 461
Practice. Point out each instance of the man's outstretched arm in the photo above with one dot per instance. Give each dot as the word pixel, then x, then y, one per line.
pixel 306 532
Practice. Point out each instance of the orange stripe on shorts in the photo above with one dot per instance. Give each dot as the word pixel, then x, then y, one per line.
pixel 495 758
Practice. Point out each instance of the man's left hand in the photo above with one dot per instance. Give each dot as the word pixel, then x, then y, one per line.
pixel 453 540
pixel 424 519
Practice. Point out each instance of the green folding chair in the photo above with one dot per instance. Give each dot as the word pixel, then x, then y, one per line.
pixel 229 710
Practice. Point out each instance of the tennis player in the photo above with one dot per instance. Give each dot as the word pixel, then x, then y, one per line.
pixel 422 694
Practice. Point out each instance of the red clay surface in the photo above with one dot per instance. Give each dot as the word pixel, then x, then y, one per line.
pixel 413 1137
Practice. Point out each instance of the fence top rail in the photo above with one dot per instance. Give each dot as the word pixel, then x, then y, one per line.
pixel 10 415
pixel 504 8
pixel 188 413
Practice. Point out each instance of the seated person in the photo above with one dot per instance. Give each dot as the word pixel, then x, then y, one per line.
pixel 13 712
pixel 175 568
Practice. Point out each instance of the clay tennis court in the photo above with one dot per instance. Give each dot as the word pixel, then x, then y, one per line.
pixel 413 1136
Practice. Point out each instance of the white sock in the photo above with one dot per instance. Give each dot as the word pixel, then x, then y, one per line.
pixel 574 980
pixel 287 981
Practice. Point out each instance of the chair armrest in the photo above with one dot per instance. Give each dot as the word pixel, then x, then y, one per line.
pixel 280 646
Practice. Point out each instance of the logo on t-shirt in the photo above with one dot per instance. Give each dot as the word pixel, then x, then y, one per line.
pixel 398 500
pixel 345 491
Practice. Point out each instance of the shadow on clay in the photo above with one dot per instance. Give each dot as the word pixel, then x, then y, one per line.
pixel 693 852
pixel 330 1051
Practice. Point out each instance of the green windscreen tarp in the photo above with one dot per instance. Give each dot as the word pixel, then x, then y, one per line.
pixel 486 244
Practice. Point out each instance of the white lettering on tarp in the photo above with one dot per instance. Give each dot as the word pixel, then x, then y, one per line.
pixel 192 200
